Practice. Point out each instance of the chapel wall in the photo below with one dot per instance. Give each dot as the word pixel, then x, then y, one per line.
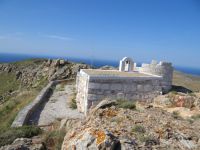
pixel 163 69
pixel 132 89
pixel 81 88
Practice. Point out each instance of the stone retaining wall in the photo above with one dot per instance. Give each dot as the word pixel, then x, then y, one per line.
pixel 23 116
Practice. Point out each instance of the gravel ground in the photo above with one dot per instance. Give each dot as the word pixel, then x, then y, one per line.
pixel 57 107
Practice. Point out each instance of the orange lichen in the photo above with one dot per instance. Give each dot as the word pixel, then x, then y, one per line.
pixel 100 136
pixel 109 113
pixel 160 132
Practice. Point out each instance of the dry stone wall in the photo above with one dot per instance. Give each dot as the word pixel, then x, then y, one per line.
pixel 26 112
pixel 23 116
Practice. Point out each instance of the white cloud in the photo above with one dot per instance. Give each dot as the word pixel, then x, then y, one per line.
pixel 58 37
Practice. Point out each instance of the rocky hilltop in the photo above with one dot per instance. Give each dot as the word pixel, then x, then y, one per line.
pixel 30 71
pixel 171 121
pixel 20 83
pixel 34 73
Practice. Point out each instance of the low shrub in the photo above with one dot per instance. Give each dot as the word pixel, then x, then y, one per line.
pixel 138 129
pixel 126 104
pixel 176 115
pixel 11 134
pixel 72 102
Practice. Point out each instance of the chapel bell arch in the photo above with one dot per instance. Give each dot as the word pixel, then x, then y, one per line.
pixel 126 64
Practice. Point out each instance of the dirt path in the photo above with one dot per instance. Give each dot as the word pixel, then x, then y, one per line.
pixel 57 107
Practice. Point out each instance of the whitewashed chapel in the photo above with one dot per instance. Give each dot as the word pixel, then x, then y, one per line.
pixel 128 83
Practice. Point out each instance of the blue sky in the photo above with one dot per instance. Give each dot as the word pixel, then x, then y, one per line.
pixel 103 29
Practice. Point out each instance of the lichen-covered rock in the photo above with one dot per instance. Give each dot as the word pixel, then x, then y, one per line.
pixel 92 139
pixel 110 127
pixel 179 99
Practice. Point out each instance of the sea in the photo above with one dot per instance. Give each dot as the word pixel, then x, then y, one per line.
pixel 7 58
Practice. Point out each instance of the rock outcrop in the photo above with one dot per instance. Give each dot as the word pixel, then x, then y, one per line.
pixel 31 72
pixel 113 128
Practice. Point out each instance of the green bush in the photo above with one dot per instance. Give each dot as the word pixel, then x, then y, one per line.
pixel 126 104
pixel 176 115
pixel 11 134
pixel 73 104
pixel 138 129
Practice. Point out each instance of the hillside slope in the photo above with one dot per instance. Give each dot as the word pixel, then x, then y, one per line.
pixel 20 83
pixel 186 80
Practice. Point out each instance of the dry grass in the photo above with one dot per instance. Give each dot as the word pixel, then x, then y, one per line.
pixel 188 81
pixel 8 112
pixel 9 109
pixel 19 96
pixel 8 84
